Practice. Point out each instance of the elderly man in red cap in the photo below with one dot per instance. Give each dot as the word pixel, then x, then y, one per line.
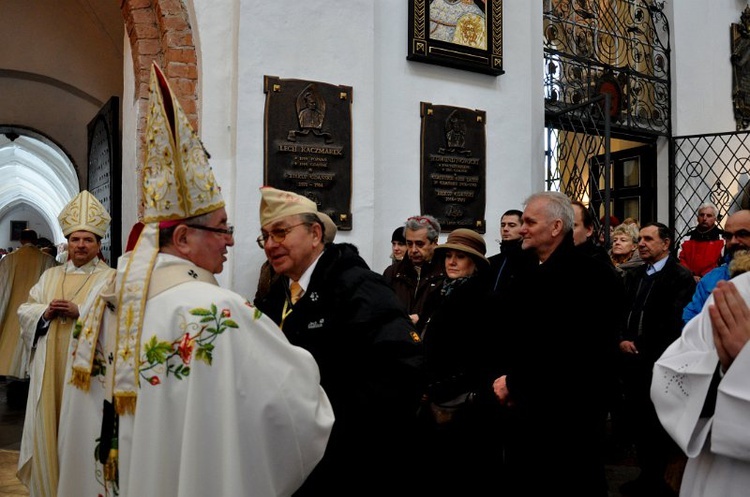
pixel 328 301
pixel 201 393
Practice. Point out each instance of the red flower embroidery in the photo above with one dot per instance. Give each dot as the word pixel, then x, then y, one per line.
pixel 154 380
pixel 226 313
pixel 185 349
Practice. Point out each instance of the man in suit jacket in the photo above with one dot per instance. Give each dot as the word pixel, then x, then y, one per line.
pixel 656 294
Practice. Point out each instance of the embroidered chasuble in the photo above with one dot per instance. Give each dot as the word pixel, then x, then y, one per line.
pixel 37 464
pixel 19 271
pixel 251 373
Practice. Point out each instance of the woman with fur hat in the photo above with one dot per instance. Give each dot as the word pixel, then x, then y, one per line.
pixel 458 387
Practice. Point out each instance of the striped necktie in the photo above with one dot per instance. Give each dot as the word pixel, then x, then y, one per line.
pixel 296 291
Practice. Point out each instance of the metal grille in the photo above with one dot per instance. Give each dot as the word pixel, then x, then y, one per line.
pixel 577 155
pixel 623 43
pixel 709 168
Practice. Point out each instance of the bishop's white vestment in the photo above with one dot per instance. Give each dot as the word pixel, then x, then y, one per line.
pixel 225 405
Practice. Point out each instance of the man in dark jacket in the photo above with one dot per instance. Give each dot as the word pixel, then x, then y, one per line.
pixel 329 302
pixel 512 260
pixel 418 274
pixel 656 294
pixel 557 364
pixel 583 234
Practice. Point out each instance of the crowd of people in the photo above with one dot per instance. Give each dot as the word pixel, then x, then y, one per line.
pixel 148 378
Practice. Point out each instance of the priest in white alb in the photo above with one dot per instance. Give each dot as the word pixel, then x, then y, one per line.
pixel 47 319
pixel 701 391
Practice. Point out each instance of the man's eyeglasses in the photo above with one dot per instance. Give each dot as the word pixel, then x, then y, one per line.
pixel 229 230
pixel 278 235
pixel 743 233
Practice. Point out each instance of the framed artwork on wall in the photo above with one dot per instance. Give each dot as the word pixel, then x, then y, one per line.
pixel 464 34
pixel 16 227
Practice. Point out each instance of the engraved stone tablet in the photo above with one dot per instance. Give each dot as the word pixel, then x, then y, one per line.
pixel 308 147
pixel 453 162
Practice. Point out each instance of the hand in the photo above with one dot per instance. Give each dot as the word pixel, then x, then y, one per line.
pixel 628 346
pixel 730 320
pixel 63 308
pixel 49 314
pixel 500 387
pixel 414 318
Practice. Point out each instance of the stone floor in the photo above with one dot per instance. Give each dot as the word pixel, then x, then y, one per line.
pixel 619 470
pixel 11 424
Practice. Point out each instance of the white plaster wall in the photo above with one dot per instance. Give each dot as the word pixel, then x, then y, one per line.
pixel 130 188
pixel 362 44
pixel 63 61
pixel 701 67
pixel 36 220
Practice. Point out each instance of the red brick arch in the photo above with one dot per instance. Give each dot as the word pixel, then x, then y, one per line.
pixel 160 30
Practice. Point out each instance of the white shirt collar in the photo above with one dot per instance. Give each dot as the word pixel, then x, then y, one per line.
pixel 304 280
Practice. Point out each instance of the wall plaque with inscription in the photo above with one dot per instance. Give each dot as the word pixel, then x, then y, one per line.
pixel 741 70
pixel 308 143
pixel 453 157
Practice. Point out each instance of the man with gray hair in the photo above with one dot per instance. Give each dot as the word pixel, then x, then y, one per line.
pixel 561 360
pixel 418 275
pixel 701 252
pixel 329 302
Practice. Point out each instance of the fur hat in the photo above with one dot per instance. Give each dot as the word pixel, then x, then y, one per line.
pixel 468 241
pixel 276 204
pixel 84 213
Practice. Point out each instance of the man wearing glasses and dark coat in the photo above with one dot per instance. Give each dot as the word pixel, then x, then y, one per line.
pixel 328 301
pixel 418 275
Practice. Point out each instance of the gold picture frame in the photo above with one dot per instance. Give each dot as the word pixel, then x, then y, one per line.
pixel 463 34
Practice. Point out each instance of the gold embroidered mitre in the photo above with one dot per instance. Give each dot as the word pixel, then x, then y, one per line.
pixel 84 213
pixel 178 182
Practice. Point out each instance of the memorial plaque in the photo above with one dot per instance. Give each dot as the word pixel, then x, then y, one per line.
pixel 453 158
pixel 741 70
pixel 308 143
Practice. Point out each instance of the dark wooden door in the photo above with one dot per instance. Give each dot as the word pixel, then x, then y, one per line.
pixel 104 179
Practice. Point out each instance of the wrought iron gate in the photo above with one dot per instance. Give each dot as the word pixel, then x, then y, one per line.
pixel 708 168
pixel 577 155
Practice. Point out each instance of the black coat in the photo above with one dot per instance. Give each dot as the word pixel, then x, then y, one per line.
pixel 661 322
pixel 464 457
pixel 370 360
pixel 506 266
pixel 560 349
pixel 414 288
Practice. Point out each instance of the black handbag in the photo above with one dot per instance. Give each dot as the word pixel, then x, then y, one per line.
pixel 450 411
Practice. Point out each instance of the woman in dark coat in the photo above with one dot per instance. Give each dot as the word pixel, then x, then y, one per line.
pixel 462 447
